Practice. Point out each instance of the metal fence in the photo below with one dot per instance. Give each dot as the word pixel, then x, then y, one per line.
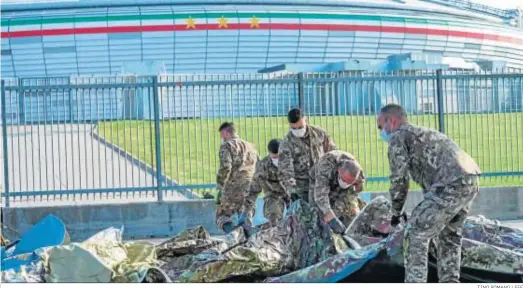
pixel 155 137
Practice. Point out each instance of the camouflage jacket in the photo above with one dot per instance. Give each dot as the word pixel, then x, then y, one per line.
pixel 324 181
pixel 298 155
pixel 237 161
pixel 266 178
pixel 427 156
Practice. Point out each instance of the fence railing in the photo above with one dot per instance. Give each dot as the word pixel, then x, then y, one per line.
pixel 139 137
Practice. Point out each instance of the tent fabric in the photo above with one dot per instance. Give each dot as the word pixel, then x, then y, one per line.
pixel 102 258
pixel 48 232
pixel 38 236
pixel 333 269
pixel 300 240
pixel 264 254
pixel 301 248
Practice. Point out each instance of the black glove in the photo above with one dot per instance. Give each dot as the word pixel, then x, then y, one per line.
pixel 295 197
pixel 396 219
pixel 337 226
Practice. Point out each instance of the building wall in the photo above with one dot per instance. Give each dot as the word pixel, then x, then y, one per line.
pixel 237 38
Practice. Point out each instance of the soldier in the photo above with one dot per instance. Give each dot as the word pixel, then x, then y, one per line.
pixel 266 178
pixel 336 181
pixel 299 151
pixel 449 178
pixel 237 163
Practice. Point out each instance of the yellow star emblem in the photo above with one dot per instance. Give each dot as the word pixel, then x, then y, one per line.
pixel 191 23
pixel 222 22
pixel 255 22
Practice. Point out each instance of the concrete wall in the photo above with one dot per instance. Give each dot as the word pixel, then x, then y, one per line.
pixel 148 220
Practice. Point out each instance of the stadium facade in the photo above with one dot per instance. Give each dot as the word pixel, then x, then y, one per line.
pixel 72 41
pixel 101 37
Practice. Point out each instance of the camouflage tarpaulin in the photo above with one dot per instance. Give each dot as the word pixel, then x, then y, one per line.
pixel 303 249
pixel 298 241
pixel 487 248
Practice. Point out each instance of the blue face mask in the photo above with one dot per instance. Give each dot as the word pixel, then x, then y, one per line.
pixel 385 136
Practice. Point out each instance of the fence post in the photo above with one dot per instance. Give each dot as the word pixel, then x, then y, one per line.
pixel 157 140
pixel 441 108
pixel 4 146
pixel 300 90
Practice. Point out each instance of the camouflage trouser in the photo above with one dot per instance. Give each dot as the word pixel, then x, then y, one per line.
pixel 231 202
pixel 441 214
pixel 346 209
pixel 273 208
pixel 303 192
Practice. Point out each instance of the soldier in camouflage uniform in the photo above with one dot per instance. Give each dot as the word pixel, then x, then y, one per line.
pixel 336 181
pixel 237 163
pixel 449 179
pixel 299 151
pixel 266 178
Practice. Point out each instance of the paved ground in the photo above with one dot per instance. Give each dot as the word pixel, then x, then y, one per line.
pixel 65 157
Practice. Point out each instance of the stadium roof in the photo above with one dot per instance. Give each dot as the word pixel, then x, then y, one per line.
pixel 460 7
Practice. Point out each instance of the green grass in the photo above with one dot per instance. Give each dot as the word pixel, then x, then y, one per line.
pixel 190 146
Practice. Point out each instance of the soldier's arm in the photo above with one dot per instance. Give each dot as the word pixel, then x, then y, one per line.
pixel 322 191
pixel 286 166
pixel 254 190
pixel 399 174
pixel 225 167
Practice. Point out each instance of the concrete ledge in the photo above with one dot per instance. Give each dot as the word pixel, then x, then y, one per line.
pixel 502 203
pixel 140 220
pixel 157 220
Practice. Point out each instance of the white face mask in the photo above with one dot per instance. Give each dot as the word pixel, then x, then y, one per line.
pixel 275 161
pixel 222 141
pixel 342 184
pixel 299 132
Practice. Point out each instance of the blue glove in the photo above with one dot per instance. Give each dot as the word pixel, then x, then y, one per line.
pixel 337 226
pixel 227 227
pixel 241 219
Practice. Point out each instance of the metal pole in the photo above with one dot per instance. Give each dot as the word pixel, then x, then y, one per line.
pixel 4 144
pixel 441 108
pixel 300 90
pixel 156 101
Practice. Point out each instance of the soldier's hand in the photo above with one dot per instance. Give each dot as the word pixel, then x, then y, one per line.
pixel 241 219
pixel 397 219
pixel 249 230
pixel 294 194
pixel 227 227
pixel 337 226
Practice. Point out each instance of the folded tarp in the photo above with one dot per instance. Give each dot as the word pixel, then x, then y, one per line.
pixel 103 258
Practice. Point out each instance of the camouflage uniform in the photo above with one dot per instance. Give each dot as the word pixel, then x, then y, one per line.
pixel 237 162
pixel 449 179
pixel 275 200
pixel 327 194
pixel 298 155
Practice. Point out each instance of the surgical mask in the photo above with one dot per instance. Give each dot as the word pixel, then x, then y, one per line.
pixel 342 184
pixel 384 135
pixel 299 132
pixel 275 161
pixel 222 141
